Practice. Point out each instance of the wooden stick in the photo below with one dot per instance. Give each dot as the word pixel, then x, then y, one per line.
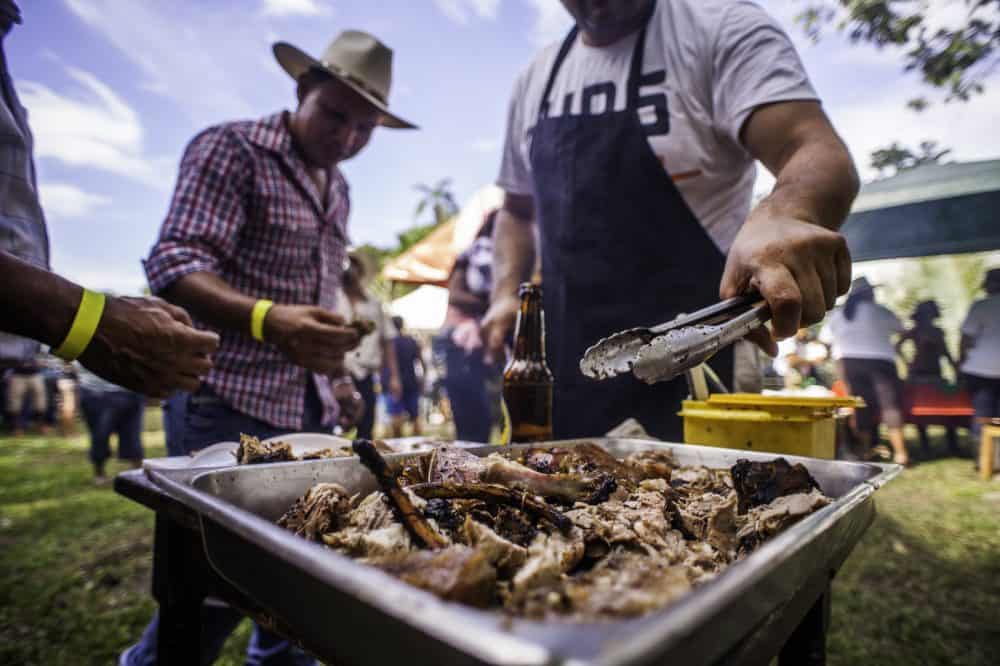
pixel 411 517
pixel 493 493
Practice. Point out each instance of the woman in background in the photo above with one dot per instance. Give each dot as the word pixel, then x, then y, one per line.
pixel 923 380
pixel 471 378
pixel 861 333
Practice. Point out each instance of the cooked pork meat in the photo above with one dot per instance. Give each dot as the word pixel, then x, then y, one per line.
pixel 763 522
pixel 652 464
pixel 623 584
pixel 252 451
pixel 457 573
pixel 402 500
pixel 362 326
pixel 322 509
pixel 479 530
pixel 449 464
pixel 760 483
pixel 492 493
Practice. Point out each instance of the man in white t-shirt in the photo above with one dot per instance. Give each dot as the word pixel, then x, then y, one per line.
pixel 980 352
pixel 633 145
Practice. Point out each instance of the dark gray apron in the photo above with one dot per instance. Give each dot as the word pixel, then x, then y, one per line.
pixel 620 248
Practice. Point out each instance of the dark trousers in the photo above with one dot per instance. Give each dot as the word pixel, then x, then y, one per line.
pixel 174 412
pixel 465 382
pixel 366 387
pixel 985 392
pixel 210 420
pixel 113 412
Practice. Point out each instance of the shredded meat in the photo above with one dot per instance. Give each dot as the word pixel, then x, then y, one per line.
pixel 499 543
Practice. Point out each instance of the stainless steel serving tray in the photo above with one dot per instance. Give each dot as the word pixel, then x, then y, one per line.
pixel 354 614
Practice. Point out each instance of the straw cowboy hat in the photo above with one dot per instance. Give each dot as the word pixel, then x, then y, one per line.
pixel 354 58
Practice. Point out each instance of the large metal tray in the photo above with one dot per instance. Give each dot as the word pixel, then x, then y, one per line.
pixel 350 613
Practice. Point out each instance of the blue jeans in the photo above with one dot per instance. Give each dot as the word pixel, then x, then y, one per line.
pixel 465 382
pixel 209 420
pixel 985 392
pixel 174 412
pixel 113 412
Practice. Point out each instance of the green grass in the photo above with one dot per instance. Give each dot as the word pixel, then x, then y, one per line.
pixel 921 588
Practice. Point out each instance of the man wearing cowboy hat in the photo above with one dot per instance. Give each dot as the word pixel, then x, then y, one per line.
pixel 255 244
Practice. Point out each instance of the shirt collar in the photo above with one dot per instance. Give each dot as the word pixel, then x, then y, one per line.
pixel 271 133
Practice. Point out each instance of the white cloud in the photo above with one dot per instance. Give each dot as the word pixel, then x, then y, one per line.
pixel 462 11
pixel 293 8
pixel 484 145
pixel 552 21
pixel 62 200
pixel 94 129
pixel 190 65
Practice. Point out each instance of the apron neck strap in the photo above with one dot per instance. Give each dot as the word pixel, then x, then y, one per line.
pixel 635 69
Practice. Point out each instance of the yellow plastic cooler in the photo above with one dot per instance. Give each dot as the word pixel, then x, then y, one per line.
pixel 793 425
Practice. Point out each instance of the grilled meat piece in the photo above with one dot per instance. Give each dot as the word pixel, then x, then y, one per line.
pixel 450 464
pixel 652 464
pixel 549 557
pixel 252 451
pixel 322 509
pixel 494 494
pixel 625 584
pixel 586 460
pixel 763 522
pixel 760 483
pixel 413 519
pixel 457 573
pixel 505 555
pixel 362 326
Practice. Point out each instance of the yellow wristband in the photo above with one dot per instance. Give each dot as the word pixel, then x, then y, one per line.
pixel 88 316
pixel 257 315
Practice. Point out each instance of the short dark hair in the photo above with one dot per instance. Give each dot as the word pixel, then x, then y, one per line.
pixel 397 321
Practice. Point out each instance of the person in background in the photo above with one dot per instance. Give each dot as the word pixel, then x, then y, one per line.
pixel 26 383
pixel 254 245
pixel 110 409
pixel 375 352
pixel 468 369
pixel 980 352
pixel 860 333
pixel 407 406
pixel 142 343
pixel 924 369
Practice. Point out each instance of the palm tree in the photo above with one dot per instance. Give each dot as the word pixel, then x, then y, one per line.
pixel 438 198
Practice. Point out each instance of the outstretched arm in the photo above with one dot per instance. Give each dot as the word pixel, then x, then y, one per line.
pixel 143 344
pixel 789 248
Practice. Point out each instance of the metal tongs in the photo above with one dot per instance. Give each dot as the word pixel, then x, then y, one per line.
pixel 667 350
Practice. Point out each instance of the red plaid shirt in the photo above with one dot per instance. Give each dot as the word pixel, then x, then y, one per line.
pixel 246 210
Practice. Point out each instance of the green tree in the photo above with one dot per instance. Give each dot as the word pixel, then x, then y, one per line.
pixel 954 59
pixel 438 199
pixel 899 158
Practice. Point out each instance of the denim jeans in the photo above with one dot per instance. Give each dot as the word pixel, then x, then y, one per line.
pixel 209 420
pixel 465 382
pixel 108 412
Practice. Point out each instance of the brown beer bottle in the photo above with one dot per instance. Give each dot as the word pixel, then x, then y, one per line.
pixel 527 381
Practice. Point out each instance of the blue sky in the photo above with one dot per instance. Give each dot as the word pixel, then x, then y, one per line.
pixel 116 88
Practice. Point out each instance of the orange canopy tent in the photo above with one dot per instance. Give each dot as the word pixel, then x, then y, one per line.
pixel 430 261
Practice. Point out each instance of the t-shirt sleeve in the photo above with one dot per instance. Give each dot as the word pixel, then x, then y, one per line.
pixel 973 324
pixel 754 63
pixel 828 333
pixel 515 169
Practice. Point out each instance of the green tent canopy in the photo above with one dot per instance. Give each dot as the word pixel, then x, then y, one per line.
pixel 929 210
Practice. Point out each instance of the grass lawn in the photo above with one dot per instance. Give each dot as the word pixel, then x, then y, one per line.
pixel 921 588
